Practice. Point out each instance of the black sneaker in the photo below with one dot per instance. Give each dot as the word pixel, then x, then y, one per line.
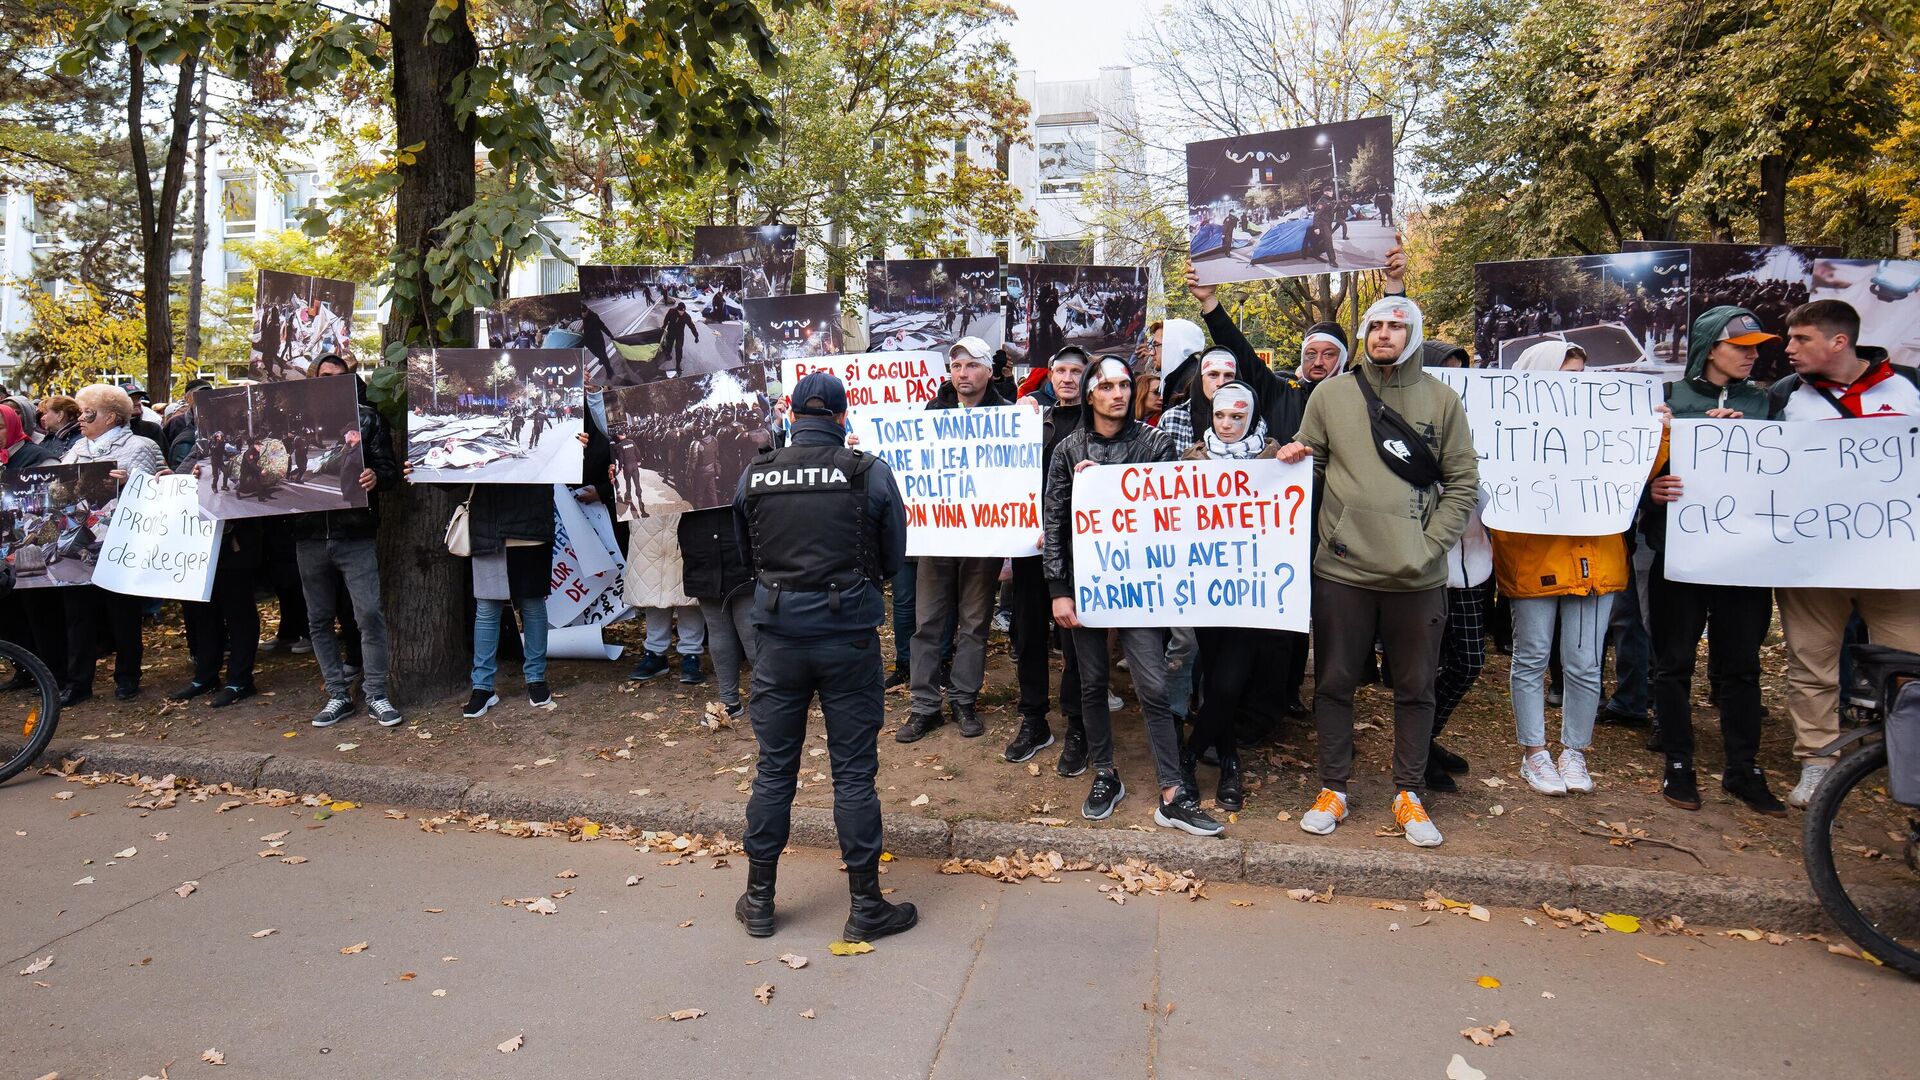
pixel 651 666
pixel 1438 778
pixel 1034 737
pixel 1106 794
pixel 968 721
pixel 917 727
pixel 1446 759
pixel 383 712
pixel 899 676
pixel 334 711
pixel 479 703
pixel 1749 785
pixel 538 696
pixel 1612 714
pixel 227 695
pixel 1073 752
pixel 735 710
pixel 190 691
pixel 126 691
pixel 1653 740
pixel 1184 813
pixel 1293 707
pixel 1679 787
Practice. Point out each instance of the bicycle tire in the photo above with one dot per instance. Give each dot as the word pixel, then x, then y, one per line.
pixel 39 726
pixel 1824 875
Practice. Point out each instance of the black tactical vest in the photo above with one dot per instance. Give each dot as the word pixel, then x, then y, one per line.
pixel 807 519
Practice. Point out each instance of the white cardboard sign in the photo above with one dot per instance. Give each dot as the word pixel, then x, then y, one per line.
pixel 157 544
pixel 970 477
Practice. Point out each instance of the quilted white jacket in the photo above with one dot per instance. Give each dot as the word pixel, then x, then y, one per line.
pixel 654 574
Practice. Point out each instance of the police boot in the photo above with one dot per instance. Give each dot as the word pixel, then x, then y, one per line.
pixel 871 915
pixel 754 909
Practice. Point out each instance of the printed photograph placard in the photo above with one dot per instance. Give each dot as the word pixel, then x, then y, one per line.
pixel 1886 293
pixel 265 449
pixel 793 326
pixel 1629 311
pixel 53 519
pixel 296 320
pixel 549 321
pixel 1768 280
pixel 1311 200
pixel 661 322
pixel 763 252
pixel 932 303
pixel 681 444
pixel 495 416
pixel 1099 308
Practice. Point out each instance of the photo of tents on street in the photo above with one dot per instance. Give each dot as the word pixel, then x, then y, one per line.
pixel 266 449
pixel 1886 293
pixel 1309 200
pixel 52 520
pixel 932 303
pixel 682 444
pixel 763 252
pixel 494 416
pixel 661 322
pixel 1628 311
pixel 793 326
pixel 1099 308
pixel 296 320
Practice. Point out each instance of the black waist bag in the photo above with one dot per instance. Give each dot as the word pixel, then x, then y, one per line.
pixel 1401 448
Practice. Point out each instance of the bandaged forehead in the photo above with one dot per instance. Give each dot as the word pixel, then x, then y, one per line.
pixel 1109 369
pixel 1232 399
pixel 1216 362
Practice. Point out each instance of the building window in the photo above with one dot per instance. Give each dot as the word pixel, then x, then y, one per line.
pixel 557 275
pixel 301 192
pixel 1066 155
pixel 239 204
pixel 45 223
pixel 1066 252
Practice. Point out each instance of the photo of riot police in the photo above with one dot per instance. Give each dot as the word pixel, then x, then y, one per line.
pixel 1886 293
pixel 763 252
pixel 52 520
pixel 1629 311
pixel 265 449
pixel 932 303
pixel 681 444
pixel 296 320
pixel 793 327
pixel 661 322
pixel 1309 200
pixel 495 416
pixel 549 321
pixel 1768 280
pixel 1099 308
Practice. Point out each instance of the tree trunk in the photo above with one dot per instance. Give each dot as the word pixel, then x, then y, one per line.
pixel 196 286
pixel 158 213
pixel 1771 210
pixel 426 624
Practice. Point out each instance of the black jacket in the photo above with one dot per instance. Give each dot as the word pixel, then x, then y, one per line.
pixel 30 454
pixel 712 563
pixel 1283 398
pixel 948 398
pixel 1137 442
pixel 376 451
pixel 502 512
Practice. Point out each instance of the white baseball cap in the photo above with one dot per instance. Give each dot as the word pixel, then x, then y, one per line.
pixel 973 347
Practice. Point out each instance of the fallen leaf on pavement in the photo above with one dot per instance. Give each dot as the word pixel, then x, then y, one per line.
pixel 1479 914
pixel 264 933
pixel 1621 924
pixel 439 993
pixel 346 746
pixel 683 1014
pixel 63 795
pixel 397 815
pixel 1745 935
pixel 434 910
pixel 293 860
pixel 127 854
pixel 186 889
pixel 807 1015
pixel 88 880
pixel 1387 905
pixel 1493 781
pixel 920 800
pixel 793 961
pixel 342 806
pixel 281 835
pixel 686 924
pixel 1484 1035
pixel 569 873
pixel 1487 982
pixel 764 993
pixel 213 1057
pixel 1651 959
pixel 1033 769
pixel 37 966
pixel 1851 953
pixel 352 950
pixel 409 976
pixel 1241 903
pixel 633 879
pixel 512 1044
pixel 1284 816
pixel 1548 994
pixel 543 906
pixel 1458 1069
pixel 837 948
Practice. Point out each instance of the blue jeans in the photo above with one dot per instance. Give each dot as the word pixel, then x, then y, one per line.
pixel 486 640
pixel 1583 633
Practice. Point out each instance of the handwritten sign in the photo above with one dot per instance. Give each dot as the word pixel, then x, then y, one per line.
pixel 1193 543
pixel 1562 453
pixel 1818 504
pixel 157 544
pixel 882 378
pixel 970 477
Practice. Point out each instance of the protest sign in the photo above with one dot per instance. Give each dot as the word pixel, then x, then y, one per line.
pixel 660 322
pixel 296 320
pixel 495 416
pixel 681 444
pixel 915 304
pixel 157 543
pixel 793 326
pixel 278 448
pixel 1630 310
pixel 1193 543
pixel 51 520
pixel 889 378
pixel 1828 504
pixel 610 605
pixel 1886 293
pixel 1766 279
pixel 581 565
pixel 763 252
pixel 970 477
pixel 1562 453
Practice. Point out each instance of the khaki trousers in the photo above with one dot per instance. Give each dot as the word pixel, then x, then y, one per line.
pixel 1814 621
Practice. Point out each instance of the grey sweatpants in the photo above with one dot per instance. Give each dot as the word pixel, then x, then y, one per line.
pixel 1346 619
pixel 943 587
pixel 730 639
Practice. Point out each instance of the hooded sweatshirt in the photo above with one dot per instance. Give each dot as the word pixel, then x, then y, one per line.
pixel 1693 395
pixel 1544 355
pixel 1181 341
pixel 1376 530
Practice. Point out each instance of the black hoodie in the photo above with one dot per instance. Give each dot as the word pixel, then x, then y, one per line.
pixel 1136 443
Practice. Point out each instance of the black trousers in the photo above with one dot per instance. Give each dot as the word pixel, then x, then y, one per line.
pixel 1032 646
pixel 91 609
pixel 226 627
pixel 36 619
pixel 1231 661
pixel 846 675
pixel 1735 620
pixel 280 568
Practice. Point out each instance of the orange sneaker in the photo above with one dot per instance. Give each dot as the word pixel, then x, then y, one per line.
pixel 1413 820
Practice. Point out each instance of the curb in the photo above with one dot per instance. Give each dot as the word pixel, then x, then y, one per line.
pixel 1787 906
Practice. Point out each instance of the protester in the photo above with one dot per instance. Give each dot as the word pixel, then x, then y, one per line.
pixel 1463 649
pixel 654 584
pixel 16 450
pixel 716 574
pixel 34 618
pixel 951 587
pixel 227 626
pixel 23 410
pixel 1109 435
pixel 1175 349
pixel 1386 523
pixel 104 412
pixel 824 526
pixel 60 418
pixel 1834 376
pixel 1722 349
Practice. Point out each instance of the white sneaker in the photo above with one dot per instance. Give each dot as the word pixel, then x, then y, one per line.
pixel 1573 771
pixel 1115 702
pixel 1412 818
pixel 1538 771
pixel 1811 773
pixel 1329 810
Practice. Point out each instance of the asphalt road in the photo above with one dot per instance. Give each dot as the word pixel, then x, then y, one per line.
pixel 1023 980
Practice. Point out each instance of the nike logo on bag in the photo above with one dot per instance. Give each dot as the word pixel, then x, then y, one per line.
pixel 1398 449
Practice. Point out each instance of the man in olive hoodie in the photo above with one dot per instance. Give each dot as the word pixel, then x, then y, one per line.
pixel 1380 566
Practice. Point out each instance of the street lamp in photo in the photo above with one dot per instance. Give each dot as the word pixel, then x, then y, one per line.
pixel 1333 155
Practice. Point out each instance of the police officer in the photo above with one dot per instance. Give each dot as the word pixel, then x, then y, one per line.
pixel 826 528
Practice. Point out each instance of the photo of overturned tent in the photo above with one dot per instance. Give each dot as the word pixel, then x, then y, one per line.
pixel 296 320
pixel 1099 308
pixel 495 416
pixel 763 252
pixel 52 520
pixel 266 449
pixel 932 303
pixel 682 444
pixel 1886 293
pixel 657 322
pixel 1309 200
pixel 549 321
pixel 1768 280
pixel 792 326
pixel 1629 311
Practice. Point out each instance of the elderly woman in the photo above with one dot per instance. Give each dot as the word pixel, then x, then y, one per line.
pixel 59 418
pixel 104 436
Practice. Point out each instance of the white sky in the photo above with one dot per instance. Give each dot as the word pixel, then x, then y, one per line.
pixel 1074 39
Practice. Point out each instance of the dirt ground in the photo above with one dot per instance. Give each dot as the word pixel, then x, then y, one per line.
pixel 670 755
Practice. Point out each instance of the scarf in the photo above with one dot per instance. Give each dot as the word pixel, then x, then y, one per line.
pixel 102 449
pixel 1252 444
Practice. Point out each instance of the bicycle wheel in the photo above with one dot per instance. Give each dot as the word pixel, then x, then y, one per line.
pixel 29 713
pixel 1852 825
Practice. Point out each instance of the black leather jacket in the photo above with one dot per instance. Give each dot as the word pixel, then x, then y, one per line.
pixel 1136 443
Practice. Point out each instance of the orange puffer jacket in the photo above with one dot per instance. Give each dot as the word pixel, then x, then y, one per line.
pixel 1528 565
